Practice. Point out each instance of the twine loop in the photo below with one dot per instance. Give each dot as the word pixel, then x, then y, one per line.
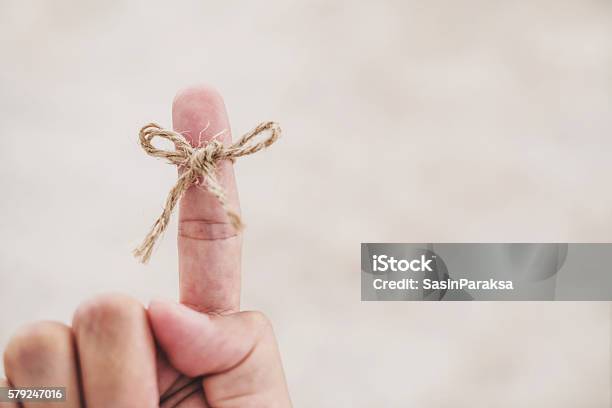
pixel 199 167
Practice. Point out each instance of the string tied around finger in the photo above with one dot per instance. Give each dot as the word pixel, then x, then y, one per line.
pixel 199 168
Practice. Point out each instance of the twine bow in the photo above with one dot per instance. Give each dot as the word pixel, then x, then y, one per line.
pixel 200 167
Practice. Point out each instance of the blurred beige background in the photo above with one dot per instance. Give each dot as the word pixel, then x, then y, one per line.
pixel 404 121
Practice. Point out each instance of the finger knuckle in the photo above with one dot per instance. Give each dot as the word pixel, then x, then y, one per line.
pixel 107 312
pixel 34 345
pixel 258 321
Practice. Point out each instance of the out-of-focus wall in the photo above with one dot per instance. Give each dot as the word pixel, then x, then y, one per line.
pixel 404 121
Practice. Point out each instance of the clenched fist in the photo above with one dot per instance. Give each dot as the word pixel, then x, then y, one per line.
pixel 201 352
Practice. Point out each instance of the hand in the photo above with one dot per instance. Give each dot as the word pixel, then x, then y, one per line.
pixel 200 353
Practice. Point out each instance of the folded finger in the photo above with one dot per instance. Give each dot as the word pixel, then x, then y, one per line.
pixel 43 355
pixel 116 353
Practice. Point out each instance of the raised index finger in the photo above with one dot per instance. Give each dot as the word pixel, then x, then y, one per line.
pixel 209 248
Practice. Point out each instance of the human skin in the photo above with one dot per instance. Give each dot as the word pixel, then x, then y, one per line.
pixel 200 352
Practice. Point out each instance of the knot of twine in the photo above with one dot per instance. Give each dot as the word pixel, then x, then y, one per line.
pixel 199 165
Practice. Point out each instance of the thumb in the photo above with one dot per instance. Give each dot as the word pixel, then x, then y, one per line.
pixel 236 353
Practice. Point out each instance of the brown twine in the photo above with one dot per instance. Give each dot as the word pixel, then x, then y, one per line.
pixel 200 167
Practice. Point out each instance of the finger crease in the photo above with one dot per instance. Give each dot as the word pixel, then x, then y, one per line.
pixel 205 230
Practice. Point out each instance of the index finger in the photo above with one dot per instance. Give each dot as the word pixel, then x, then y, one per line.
pixel 209 248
